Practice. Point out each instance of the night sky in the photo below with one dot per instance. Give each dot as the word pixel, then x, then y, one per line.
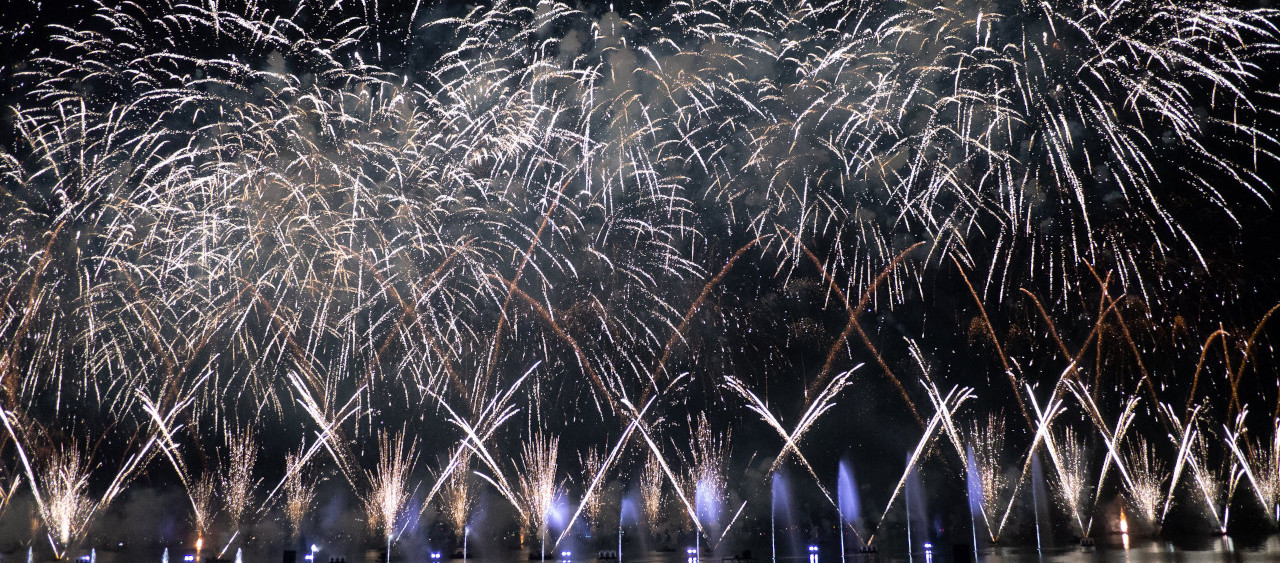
pixel 271 220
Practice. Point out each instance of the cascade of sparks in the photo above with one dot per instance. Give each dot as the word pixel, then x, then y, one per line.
pixel 201 493
pixel 651 490
pixel 1149 475
pixel 592 462
pixel 390 484
pixel 1070 458
pixel 236 481
pixel 537 483
pixel 341 213
pixel 986 438
pixel 299 493
pixel 457 498
pixel 66 507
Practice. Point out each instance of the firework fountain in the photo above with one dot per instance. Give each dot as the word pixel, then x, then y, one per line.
pixel 592 463
pixel 538 486
pixel 985 470
pixel 236 482
pixel 299 494
pixel 390 486
pixel 708 459
pixel 458 499
pixel 651 491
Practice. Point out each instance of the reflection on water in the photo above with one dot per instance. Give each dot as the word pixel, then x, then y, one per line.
pixel 1116 548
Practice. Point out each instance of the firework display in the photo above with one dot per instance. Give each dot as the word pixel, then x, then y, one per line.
pixel 691 245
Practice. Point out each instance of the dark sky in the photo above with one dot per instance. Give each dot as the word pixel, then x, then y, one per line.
pixel 772 319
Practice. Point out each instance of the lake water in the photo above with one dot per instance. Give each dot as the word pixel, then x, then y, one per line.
pixel 1109 549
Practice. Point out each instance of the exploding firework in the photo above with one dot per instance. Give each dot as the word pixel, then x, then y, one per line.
pixel 1043 105
pixel 226 191
pixel 243 199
